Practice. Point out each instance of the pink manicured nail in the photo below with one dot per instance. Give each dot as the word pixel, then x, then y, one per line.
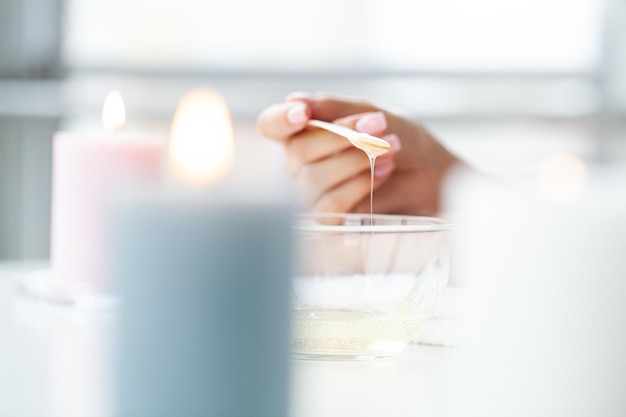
pixel 297 113
pixel 394 142
pixel 383 168
pixel 372 123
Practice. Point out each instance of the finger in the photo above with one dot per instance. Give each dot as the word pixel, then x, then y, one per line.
pixel 385 201
pixel 315 179
pixel 347 195
pixel 384 168
pixel 331 107
pixel 418 196
pixel 301 96
pixel 312 145
pixel 355 114
pixel 315 144
pixel 373 123
pixel 281 121
pixel 394 147
pixel 342 198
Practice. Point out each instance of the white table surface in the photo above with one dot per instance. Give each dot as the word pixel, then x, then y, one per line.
pixel 54 361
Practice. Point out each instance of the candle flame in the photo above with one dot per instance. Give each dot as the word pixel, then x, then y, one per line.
pixel 201 140
pixel 113 112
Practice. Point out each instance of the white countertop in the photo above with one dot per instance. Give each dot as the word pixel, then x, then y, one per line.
pixel 54 361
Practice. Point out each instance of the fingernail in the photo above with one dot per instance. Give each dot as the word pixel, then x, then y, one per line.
pixel 383 168
pixel 297 113
pixel 394 142
pixel 372 123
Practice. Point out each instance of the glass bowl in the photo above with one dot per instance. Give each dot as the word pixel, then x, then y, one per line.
pixel 364 285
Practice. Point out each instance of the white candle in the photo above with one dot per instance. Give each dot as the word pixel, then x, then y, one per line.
pixel 548 278
pixel 204 272
pixel 87 170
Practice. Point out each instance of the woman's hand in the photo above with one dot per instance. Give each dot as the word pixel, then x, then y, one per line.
pixel 333 176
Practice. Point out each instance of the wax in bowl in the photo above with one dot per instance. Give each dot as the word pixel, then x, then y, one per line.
pixel 364 285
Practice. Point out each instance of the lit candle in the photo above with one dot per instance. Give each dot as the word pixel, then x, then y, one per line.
pixel 203 270
pixel 88 169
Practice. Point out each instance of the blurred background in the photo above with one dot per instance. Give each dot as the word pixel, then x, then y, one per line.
pixel 505 84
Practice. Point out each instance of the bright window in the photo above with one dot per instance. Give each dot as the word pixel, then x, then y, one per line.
pixel 389 35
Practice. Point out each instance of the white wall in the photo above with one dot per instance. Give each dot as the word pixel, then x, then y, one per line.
pixel 478 35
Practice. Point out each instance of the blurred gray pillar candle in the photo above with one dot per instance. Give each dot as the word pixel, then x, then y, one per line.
pixel 204 325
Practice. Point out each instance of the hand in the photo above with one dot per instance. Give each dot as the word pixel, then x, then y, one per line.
pixel 333 176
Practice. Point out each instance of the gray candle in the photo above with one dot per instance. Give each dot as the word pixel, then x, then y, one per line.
pixel 204 272
pixel 204 326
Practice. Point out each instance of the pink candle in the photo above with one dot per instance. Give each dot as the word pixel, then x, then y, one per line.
pixel 88 170
pixel 86 173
